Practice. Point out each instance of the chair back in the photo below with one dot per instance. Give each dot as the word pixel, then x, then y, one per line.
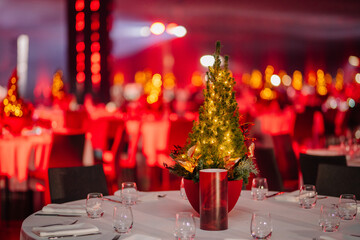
pixel 334 180
pixel 309 165
pixel 285 156
pixel 268 168
pixel 74 183
pixel 67 150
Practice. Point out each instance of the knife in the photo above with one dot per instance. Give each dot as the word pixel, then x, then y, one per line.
pixel 275 194
pixel 74 235
pixel 57 215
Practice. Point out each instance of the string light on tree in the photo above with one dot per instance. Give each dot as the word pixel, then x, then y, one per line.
pixel 217 139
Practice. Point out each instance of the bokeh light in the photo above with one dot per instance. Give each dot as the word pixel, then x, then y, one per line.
pixel 157 28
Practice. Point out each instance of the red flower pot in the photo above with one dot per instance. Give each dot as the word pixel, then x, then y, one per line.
pixel 192 193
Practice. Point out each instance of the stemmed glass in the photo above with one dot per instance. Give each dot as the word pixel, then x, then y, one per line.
pixel 259 188
pixel 129 193
pixel 122 219
pixel 182 189
pixel 347 206
pixel 261 225
pixel 307 196
pixel 184 226
pixel 94 205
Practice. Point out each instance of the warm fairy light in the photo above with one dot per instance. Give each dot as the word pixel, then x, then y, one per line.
pixel 169 81
pixel 267 94
pixel 275 80
pixel 256 79
pixel 207 60
pixel 196 79
pixel 119 78
pixel 354 61
pixel 297 80
pixel 322 90
pixel 157 28
pixel 339 80
pixel 286 80
pixel 156 80
pixel 357 78
pixel 312 79
pixel 57 89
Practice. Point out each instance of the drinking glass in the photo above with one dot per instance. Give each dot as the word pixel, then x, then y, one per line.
pixel 307 196
pixel 347 206
pixel 259 188
pixel 184 226
pixel 329 218
pixel 122 218
pixel 129 193
pixel 182 190
pixel 261 225
pixel 94 205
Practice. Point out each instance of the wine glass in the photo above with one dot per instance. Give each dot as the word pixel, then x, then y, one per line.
pixel 129 193
pixel 184 226
pixel 347 206
pixel 307 196
pixel 94 205
pixel 261 225
pixel 122 218
pixel 259 188
pixel 182 190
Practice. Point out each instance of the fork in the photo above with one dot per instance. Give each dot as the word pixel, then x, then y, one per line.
pixel 55 224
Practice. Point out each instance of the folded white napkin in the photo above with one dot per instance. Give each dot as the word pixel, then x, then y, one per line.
pixel 64 230
pixel 141 237
pixel 288 197
pixel 63 209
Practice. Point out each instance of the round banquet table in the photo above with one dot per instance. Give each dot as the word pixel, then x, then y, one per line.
pixel 157 218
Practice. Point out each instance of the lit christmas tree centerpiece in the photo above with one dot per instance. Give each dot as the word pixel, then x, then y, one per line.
pixel 15 112
pixel 218 139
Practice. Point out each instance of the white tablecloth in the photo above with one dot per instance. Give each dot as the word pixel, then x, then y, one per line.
pixel 157 218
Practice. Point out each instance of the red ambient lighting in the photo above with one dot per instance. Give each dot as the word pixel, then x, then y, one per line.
pixel 79 5
pixel 96 78
pixel 80 77
pixel 80 47
pixel 94 5
pixel 95 57
pixel 95 47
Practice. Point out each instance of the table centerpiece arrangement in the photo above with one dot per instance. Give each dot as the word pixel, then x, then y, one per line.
pixel 218 140
pixel 16 113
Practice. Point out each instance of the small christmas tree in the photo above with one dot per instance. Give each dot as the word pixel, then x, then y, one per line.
pixel 217 139
pixel 13 105
pixel 57 89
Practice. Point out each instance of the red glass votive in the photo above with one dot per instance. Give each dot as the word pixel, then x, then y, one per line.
pixel 213 199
